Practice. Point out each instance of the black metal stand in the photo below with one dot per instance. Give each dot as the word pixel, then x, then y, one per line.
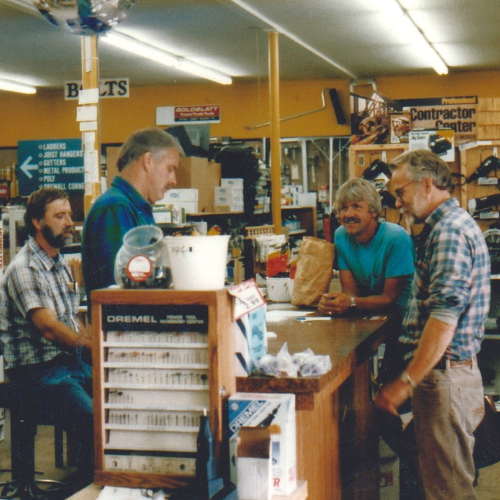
pixel 23 424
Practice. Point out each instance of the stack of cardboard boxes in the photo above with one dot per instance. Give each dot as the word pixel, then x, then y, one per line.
pixel 228 197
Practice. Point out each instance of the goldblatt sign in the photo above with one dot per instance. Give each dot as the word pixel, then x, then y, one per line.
pixel 110 88
pixel 456 113
pixel 203 113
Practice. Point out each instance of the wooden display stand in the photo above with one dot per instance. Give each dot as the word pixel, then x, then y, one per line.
pixel 153 351
pixel 307 217
pixel 470 159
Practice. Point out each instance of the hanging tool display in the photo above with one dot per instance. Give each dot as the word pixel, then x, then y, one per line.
pixel 379 174
pixel 491 163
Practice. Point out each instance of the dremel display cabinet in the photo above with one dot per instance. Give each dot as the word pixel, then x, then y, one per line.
pixel 161 359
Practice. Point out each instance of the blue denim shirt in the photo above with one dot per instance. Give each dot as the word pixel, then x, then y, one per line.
pixel 115 212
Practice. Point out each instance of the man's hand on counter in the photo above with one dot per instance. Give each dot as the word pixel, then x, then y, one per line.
pixel 392 395
pixel 334 303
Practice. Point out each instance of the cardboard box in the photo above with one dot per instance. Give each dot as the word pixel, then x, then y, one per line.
pixel 276 411
pixel 162 215
pixel 228 182
pixel 189 207
pixel 307 199
pixel 203 175
pixel 228 199
pixel 250 341
pixel 174 195
pixel 253 462
pixel 400 127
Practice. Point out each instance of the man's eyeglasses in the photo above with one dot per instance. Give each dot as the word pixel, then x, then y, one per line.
pixel 400 192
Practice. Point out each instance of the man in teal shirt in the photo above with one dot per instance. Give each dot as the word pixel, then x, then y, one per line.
pixel 147 163
pixel 375 262
pixel 375 259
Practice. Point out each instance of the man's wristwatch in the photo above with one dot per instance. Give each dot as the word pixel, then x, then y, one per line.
pixel 406 379
pixel 353 301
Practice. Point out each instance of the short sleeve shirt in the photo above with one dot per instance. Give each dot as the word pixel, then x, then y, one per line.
pixel 34 280
pixel 388 255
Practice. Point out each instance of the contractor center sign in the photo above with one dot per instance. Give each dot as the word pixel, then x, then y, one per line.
pixel 456 113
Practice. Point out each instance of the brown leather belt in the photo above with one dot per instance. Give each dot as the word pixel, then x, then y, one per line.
pixel 453 363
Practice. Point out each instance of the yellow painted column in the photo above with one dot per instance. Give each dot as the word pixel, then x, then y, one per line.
pixel 90 134
pixel 274 89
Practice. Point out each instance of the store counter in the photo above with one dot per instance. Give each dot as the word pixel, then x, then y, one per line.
pixel 337 442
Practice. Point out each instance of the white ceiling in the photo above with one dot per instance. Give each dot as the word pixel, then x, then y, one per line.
pixel 221 34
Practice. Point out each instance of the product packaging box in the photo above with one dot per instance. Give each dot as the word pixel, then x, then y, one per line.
pixel 253 463
pixel 173 213
pixel 440 141
pixel 186 199
pixel 307 199
pixel 200 174
pixel 277 412
pixel 250 341
pixel 162 214
pixel 228 198
pixel 400 127
pixel 173 195
pixel 229 182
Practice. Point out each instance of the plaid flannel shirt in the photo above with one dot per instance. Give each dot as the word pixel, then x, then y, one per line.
pixel 34 280
pixel 451 282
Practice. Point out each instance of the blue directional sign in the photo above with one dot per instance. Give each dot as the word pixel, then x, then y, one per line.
pixel 50 163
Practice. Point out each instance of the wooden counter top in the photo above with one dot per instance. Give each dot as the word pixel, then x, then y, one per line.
pixel 337 441
pixel 349 341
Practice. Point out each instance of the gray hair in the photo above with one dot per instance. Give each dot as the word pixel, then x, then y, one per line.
pixel 358 190
pixel 149 140
pixel 422 164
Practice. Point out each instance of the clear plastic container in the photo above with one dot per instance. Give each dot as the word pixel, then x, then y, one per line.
pixel 142 261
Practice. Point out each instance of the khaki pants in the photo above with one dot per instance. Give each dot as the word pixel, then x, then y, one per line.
pixel 447 407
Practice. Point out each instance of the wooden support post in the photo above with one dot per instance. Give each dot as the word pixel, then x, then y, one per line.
pixel 91 138
pixel 274 89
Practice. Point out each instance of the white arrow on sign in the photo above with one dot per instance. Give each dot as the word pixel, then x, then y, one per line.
pixel 26 167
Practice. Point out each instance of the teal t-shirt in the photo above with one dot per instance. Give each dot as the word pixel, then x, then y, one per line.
pixel 389 254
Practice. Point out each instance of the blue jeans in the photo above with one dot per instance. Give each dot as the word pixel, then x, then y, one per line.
pixel 63 392
pixel 448 405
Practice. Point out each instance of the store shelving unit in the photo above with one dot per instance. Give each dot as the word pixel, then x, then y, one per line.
pixel 161 359
pixel 362 156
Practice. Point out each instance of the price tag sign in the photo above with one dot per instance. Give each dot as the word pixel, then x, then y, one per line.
pixel 248 298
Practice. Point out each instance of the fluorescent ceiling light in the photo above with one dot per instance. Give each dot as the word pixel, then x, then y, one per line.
pixel 16 87
pixel 161 56
pixel 293 37
pixel 398 16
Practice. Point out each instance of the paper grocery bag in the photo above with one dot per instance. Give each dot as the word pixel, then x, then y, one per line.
pixel 314 271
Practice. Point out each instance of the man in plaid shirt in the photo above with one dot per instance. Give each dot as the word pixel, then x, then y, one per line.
pixel 443 327
pixel 46 349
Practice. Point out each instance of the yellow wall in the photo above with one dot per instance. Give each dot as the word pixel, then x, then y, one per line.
pixel 47 115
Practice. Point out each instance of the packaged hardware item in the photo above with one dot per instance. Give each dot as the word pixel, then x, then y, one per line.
pixel 276 411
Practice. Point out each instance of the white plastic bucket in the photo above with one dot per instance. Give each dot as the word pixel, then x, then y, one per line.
pixel 198 262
